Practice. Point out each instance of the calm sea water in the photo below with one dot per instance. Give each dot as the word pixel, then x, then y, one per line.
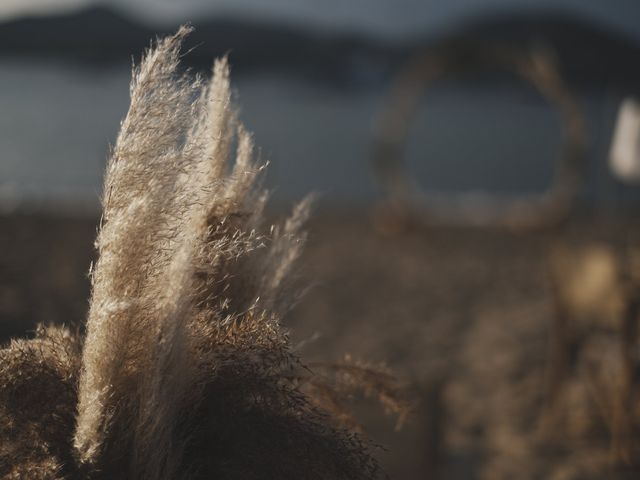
pixel 57 121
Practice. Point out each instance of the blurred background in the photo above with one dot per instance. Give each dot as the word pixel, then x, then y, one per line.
pixel 479 170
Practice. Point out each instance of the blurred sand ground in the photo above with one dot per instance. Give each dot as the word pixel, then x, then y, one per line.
pixel 461 314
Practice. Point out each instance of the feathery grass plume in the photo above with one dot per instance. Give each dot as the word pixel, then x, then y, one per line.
pixel 332 384
pixel 184 370
pixel 37 404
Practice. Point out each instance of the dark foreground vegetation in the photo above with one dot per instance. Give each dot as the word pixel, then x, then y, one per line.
pixel 466 315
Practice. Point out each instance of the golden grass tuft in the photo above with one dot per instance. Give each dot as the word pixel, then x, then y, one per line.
pixel 184 370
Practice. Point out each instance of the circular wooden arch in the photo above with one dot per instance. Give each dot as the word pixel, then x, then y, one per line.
pixel 404 197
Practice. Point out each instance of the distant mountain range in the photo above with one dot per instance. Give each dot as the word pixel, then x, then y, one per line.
pixel 587 52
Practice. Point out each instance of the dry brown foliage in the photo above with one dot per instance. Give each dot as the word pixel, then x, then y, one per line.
pixel 184 370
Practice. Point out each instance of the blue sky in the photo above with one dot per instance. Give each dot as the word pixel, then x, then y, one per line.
pixel 395 18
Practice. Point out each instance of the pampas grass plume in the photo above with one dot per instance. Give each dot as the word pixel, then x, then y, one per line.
pixel 184 371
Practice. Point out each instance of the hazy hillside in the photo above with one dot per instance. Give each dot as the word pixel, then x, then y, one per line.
pixel 588 52
pixel 100 35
